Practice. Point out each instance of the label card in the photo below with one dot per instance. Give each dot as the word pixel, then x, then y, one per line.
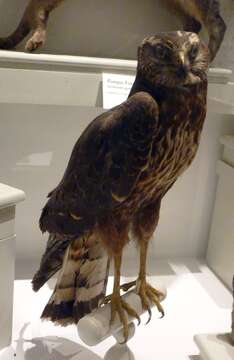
pixel 115 88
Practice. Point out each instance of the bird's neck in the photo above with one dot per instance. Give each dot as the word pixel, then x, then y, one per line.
pixel 140 84
pixel 162 93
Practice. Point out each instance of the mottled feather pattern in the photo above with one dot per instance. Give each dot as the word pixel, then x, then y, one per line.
pixel 120 169
pixel 81 283
pixel 176 143
pixel 119 143
pixel 52 259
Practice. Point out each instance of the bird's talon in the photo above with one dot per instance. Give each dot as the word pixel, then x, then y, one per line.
pixel 121 307
pixel 148 293
pixel 150 316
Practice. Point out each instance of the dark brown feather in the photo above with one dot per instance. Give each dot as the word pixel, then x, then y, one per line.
pixel 129 157
pixel 81 283
pixel 104 167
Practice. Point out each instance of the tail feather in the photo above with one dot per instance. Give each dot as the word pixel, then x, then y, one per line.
pixel 81 284
pixel 16 37
pixel 52 259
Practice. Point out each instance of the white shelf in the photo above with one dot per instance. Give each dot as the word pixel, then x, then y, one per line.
pixel 68 61
pixel 75 80
pixel 197 302
pixel 10 196
pixel 216 75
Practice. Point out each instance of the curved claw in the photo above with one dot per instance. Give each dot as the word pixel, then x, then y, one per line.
pixel 150 316
pixel 121 307
pixel 131 312
pixel 148 293
pixel 162 315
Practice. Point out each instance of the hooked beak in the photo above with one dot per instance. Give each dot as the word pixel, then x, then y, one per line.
pixel 183 66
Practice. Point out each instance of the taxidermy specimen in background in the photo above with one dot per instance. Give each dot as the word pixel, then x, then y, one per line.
pixel 120 169
pixel 193 13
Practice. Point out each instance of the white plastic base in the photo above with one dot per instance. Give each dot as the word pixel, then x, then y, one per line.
pixel 95 327
pixel 197 302
pixel 215 346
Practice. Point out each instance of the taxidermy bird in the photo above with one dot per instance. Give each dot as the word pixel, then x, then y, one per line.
pixel 120 169
pixel 193 13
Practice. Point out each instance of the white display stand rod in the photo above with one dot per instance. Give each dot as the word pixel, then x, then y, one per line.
pixel 95 327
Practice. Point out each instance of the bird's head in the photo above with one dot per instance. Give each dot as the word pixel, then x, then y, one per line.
pixel 173 59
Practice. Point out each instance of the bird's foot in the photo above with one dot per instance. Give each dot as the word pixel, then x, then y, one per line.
pixel 123 310
pixel 124 287
pixel 36 40
pixel 149 295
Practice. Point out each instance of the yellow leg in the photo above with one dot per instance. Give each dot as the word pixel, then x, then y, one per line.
pixel 118 305
pixel 146 292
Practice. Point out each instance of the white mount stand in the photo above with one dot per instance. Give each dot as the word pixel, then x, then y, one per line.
pixel 9 197
pixel 95 327
pixel 215 346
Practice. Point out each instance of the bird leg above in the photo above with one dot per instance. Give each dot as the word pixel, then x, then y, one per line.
pixel 118 305
pixel 146 292
pixel 144 224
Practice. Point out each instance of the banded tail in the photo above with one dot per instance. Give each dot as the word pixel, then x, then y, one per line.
pixel 81 283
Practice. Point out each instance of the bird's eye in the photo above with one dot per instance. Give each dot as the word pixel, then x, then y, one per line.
pixel 193 52
pixel 162 52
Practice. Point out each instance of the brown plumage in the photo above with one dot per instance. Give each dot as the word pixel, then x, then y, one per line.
pixel 194 15
pixel 124 163
pixel 34 21
pixel 81 283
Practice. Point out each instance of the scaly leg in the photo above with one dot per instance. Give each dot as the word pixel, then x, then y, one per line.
pixel 144 224
pixel 124 287
pixel 118 305
pixel 146 292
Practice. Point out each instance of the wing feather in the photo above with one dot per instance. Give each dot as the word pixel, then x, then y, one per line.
pixel 104 167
